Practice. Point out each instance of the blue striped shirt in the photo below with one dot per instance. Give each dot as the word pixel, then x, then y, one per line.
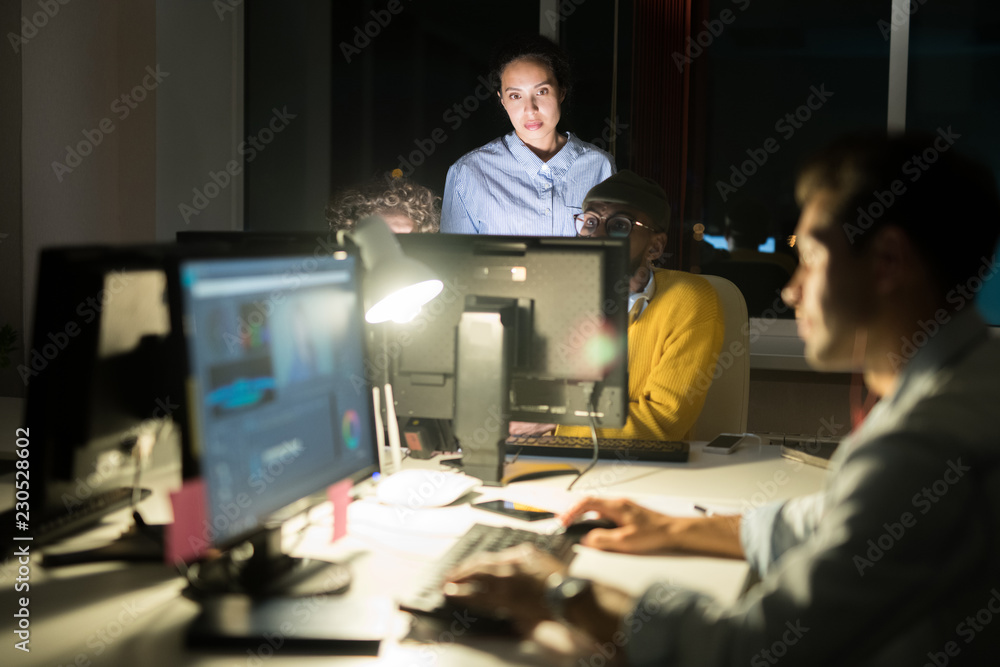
pixel 504 188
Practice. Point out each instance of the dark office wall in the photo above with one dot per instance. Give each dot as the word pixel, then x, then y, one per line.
pixel 410 97
pixel 600 109
pixel 199 116
pixel 88 170
pixel 11 278
pixel 287 112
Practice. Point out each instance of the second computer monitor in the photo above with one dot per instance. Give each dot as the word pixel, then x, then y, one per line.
pixel 563 304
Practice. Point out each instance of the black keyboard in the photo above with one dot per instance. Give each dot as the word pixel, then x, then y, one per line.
pixel 427 597
pixel 607 448
pixel 53 526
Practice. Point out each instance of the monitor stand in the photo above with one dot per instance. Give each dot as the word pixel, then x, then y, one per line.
pixel 487 335
pixel 275 601
pixel 321 625
pixel 260 569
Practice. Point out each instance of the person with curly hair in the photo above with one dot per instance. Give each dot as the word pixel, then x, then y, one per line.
pixel 531 181
pixel 407 207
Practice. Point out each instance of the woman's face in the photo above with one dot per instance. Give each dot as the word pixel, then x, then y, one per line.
pixel 399 223
pixel 531 97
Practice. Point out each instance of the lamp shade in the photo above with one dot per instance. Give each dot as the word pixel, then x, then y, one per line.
pixel 396 286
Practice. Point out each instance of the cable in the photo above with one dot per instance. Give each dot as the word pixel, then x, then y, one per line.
pixel 592 399
pixel 300 534
pixel 141 451
pixel 760 442
pixel 147 439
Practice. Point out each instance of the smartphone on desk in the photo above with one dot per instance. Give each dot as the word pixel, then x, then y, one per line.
pixel 724 443
pixel 516 510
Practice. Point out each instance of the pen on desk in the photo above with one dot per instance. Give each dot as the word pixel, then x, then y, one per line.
pixel 703 510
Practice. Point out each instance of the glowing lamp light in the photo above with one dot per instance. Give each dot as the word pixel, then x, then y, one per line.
pixel 396 286
pixel 404 304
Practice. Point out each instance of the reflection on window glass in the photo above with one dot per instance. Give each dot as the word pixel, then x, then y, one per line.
pixel 784 78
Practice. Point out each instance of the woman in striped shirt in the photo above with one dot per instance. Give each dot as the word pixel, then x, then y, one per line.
pixel 531 181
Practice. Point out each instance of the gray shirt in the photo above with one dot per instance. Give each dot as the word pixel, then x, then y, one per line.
pixel 895 561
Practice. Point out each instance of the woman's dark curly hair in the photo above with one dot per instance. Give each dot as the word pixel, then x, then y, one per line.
pixel 532 47
pixel 398 196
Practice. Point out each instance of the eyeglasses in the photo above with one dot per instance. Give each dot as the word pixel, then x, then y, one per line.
pixel 616 227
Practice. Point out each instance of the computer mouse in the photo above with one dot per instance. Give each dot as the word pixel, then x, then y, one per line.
pixel 581 527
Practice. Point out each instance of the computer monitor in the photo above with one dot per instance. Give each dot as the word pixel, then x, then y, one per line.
pixel 98 395
pixel 271 345
pixel 526 329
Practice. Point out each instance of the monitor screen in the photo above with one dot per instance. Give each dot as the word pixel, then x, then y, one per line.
pixel 272 345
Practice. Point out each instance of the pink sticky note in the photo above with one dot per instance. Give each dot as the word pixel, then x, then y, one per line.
pixel 186 539
pixel 340 496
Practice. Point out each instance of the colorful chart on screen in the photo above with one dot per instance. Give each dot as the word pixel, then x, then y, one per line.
pixel 351 429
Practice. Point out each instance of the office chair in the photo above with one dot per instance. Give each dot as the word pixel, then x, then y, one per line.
pixel 726 404
pixel 759 281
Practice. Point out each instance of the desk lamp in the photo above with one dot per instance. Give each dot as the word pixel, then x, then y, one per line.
pixel 396 286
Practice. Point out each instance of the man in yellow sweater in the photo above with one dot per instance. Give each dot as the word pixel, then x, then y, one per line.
pixel 675 320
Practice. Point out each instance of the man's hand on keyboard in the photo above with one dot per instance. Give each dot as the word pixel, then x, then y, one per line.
pixel 509 584
pixel 642 531
pixel 512 583
pixel 530 428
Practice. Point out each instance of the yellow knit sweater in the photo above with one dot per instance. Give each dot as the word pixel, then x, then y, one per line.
pixel 672 348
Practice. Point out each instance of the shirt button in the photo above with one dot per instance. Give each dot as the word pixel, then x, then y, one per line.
pixel 548 210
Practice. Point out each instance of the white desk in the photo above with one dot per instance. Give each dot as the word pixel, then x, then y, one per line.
pixel 114 614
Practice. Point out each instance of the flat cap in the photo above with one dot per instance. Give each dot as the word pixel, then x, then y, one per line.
pixel 628 187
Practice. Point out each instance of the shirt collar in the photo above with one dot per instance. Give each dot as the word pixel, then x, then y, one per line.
pixel 961 332
pixel 937 343
pixel 637 302
pixel 555 168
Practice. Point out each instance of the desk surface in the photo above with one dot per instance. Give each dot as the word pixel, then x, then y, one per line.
pixel 114 614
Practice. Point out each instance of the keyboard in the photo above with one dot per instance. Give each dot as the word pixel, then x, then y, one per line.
pixel 53 526
pixel 607 448
pixel 427 597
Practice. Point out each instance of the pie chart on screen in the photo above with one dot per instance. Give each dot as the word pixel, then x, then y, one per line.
pixel 351 429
